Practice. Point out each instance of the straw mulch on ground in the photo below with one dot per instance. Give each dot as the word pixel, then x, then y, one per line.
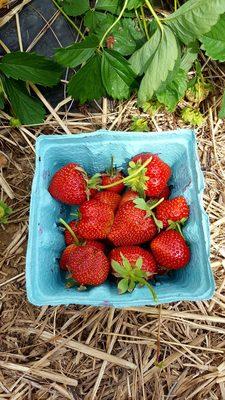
pixel 100 353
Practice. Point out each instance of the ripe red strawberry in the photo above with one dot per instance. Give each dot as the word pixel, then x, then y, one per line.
pixel 127 196
pixel 107 179
pixel 132 253
pixel 133 224
pixel 71 239
pixel 134 265
pixel 110 198
pixel 88 266
pixel 65 256
pixel 95 221
pixel 170 250
pixel 174 210
pixel 156 174
pixel 69 185
pixel 164 194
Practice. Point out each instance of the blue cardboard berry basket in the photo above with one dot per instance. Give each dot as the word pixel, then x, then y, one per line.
pixel 46 283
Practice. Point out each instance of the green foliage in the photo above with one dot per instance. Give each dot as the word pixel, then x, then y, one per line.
pixel 87 83
pixel 118 77
pixel 158 67
pixel 31 67
pixel 139 125
pixel 77 53
pixel 192 117
pixel 5 212
pixel 75 7
pixel 213 42
pixel 27 109
pixel 194 18
pixel 16 69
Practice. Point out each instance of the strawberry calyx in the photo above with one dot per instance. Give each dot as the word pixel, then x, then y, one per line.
pixel 134 175
pixel 137 183
pixel 148 206
pixel 5 212
pixel 131 275
pixel 176 225
pixel 71 282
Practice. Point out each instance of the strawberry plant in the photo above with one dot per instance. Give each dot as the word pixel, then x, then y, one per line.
pixel 131 46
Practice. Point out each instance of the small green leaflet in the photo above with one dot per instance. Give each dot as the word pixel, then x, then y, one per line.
pixel 134 4
pixel 87 84
pixel 160 64
pixel 126 34
pixel 142 57
pixel 75 7
pixel 117 75
pixel 222 110
pixel 172 93
pixel 123 286
pixel 98 22
pixel 118 269
pixel 26 108
pixel 189 56
pixel 194 18
pixel 31 67
pixel 77 53
pixel 5 212
pixel 213 42
pixel 112 6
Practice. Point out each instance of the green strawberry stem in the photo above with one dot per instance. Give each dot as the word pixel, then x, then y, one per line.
pixel 70 230
pixel 150 288
pixel 111 168
pixel 176 226
pixel 127 178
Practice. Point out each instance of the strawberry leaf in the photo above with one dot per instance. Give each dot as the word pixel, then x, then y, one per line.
pixel 123 286
pixel 31 67
pixel 142 57
pixel 195 18
pixel 118 77
pixel 213 42
pixel 189 56
pixel 166 54
pixel 87 84
pixel 112 6
pixel 98 22
pixel 77 53
pixel 134 4
pixel 170 94
pixel 26 108
pixel 75 7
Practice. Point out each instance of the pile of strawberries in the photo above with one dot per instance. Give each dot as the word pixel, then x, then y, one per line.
pixel 126 225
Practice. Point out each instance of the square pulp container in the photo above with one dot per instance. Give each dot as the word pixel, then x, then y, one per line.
pixel 46 283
